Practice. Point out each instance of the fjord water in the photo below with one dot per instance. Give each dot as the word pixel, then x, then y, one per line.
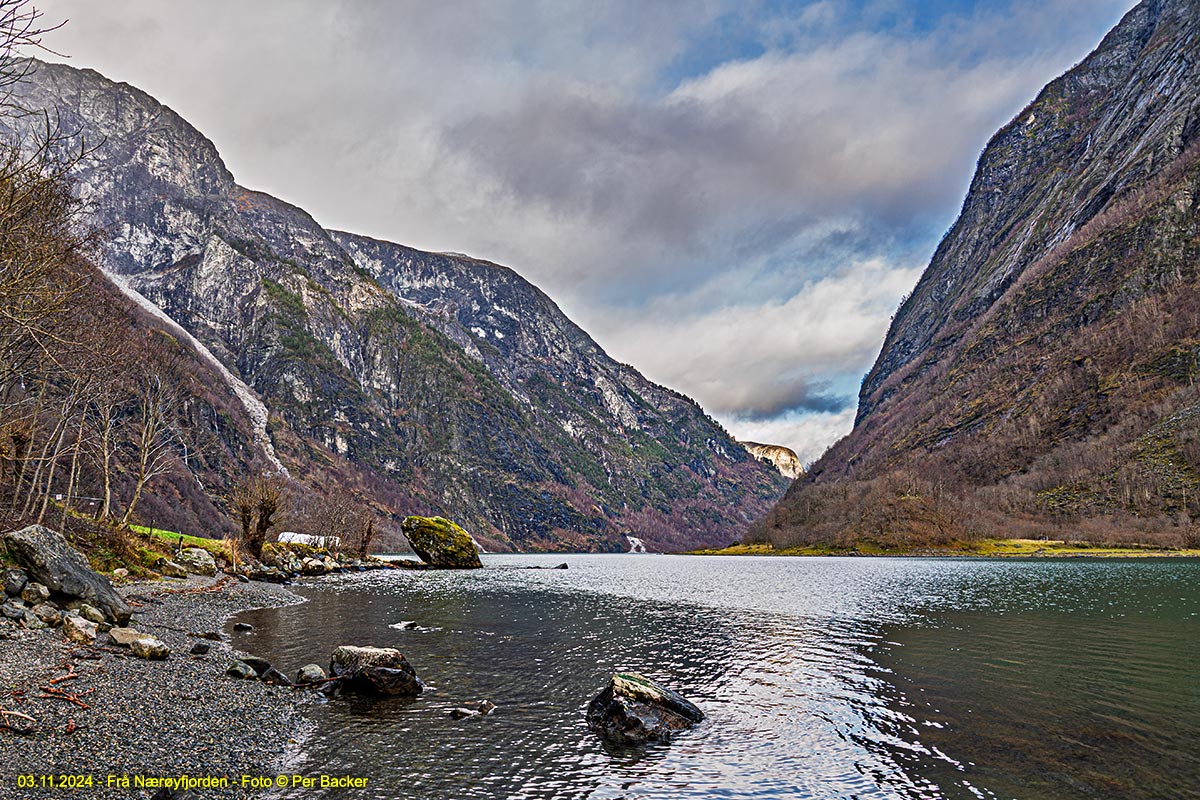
pixel 824 678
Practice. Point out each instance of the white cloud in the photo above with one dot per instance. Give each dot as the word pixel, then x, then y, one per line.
pixel 742 233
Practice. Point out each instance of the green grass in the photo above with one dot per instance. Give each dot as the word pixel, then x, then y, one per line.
pixel 988 548
pixel 218 547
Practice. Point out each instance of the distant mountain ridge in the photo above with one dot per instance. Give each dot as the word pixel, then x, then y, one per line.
pixel 443 383
pixel 1042 372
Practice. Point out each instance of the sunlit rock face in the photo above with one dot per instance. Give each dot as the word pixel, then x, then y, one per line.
pixel 781 458
pixel 448 385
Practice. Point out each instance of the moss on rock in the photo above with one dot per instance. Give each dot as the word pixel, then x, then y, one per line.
pixel 441 543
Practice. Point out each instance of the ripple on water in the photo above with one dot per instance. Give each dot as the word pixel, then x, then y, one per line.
pixel 821 678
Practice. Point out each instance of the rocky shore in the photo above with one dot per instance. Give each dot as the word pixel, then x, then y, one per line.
pixel 181 716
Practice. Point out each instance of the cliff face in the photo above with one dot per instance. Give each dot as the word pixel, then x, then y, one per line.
pixel 1037 370
pixel 783 459
pixel 446 385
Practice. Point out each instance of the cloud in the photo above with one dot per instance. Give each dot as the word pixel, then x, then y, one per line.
pixel 810 433
pixel 755 361
pixel 732 196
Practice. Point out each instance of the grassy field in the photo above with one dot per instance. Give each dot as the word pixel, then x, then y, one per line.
pixel 215 546
pixel 985 548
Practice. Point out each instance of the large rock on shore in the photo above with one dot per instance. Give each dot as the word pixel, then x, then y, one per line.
pixel 197 561
pixel 375 669
pixel 634 709
pixel 441 543
pixel 50 560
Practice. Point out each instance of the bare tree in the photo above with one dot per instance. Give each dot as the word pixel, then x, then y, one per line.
pixel 155 435
pixel 259 502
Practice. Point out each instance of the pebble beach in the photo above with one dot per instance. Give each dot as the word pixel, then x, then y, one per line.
pixel 143 720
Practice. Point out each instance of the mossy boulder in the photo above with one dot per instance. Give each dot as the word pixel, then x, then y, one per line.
pixel 441 543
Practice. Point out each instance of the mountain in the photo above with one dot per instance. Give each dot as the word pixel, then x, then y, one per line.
pixel 781 458
pixel 1042 373
pixel 433 383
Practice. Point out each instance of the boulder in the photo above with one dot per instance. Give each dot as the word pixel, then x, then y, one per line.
pixel 201 648
pixel 274 677
pixel 48 613
pixel 91 613
pixel 120 572
pixel 633 709
pixel 124 637
pixel 35 593
pixel 48 559
pixel 313 566
pixel 375 669
pixel 259 665
pixel 311 673
pixel 169 569
pixel 197 561
pixel 241 670
pixel 149 647
pixel 243 626
pixel 31 621
pixel 441 543
pixel 79 629
pixel 13 609
pixel 463 713
pixel 14 581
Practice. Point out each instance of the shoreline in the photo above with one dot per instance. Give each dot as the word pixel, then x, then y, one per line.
pixel 161 719
pixel 982 549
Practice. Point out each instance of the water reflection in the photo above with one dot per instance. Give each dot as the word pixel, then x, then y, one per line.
pixel 832 678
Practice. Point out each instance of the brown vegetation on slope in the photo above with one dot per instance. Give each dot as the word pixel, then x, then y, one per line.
pixel 1052 390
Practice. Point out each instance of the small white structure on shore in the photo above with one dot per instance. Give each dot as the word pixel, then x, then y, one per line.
pixel 291 537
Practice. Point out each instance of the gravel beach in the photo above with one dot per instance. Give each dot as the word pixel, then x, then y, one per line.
pixel 181 716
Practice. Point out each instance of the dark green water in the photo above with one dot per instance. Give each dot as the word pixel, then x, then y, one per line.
pixel 823 678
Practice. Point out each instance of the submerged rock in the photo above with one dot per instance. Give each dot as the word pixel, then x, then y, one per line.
pixel 441 543
pixel 375 669
pixel 634 709
pixel 48 559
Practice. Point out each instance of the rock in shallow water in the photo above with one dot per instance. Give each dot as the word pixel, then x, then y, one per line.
pixel 48 559
pixel 634 709
pixel 375 669
pixel 311 673
pixel 441 543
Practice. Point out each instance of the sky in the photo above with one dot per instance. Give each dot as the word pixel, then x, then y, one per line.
pixel 731 195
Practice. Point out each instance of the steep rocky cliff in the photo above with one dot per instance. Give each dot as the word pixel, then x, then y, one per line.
pixel 442 384
pixel 781 458
pixel 1042 370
